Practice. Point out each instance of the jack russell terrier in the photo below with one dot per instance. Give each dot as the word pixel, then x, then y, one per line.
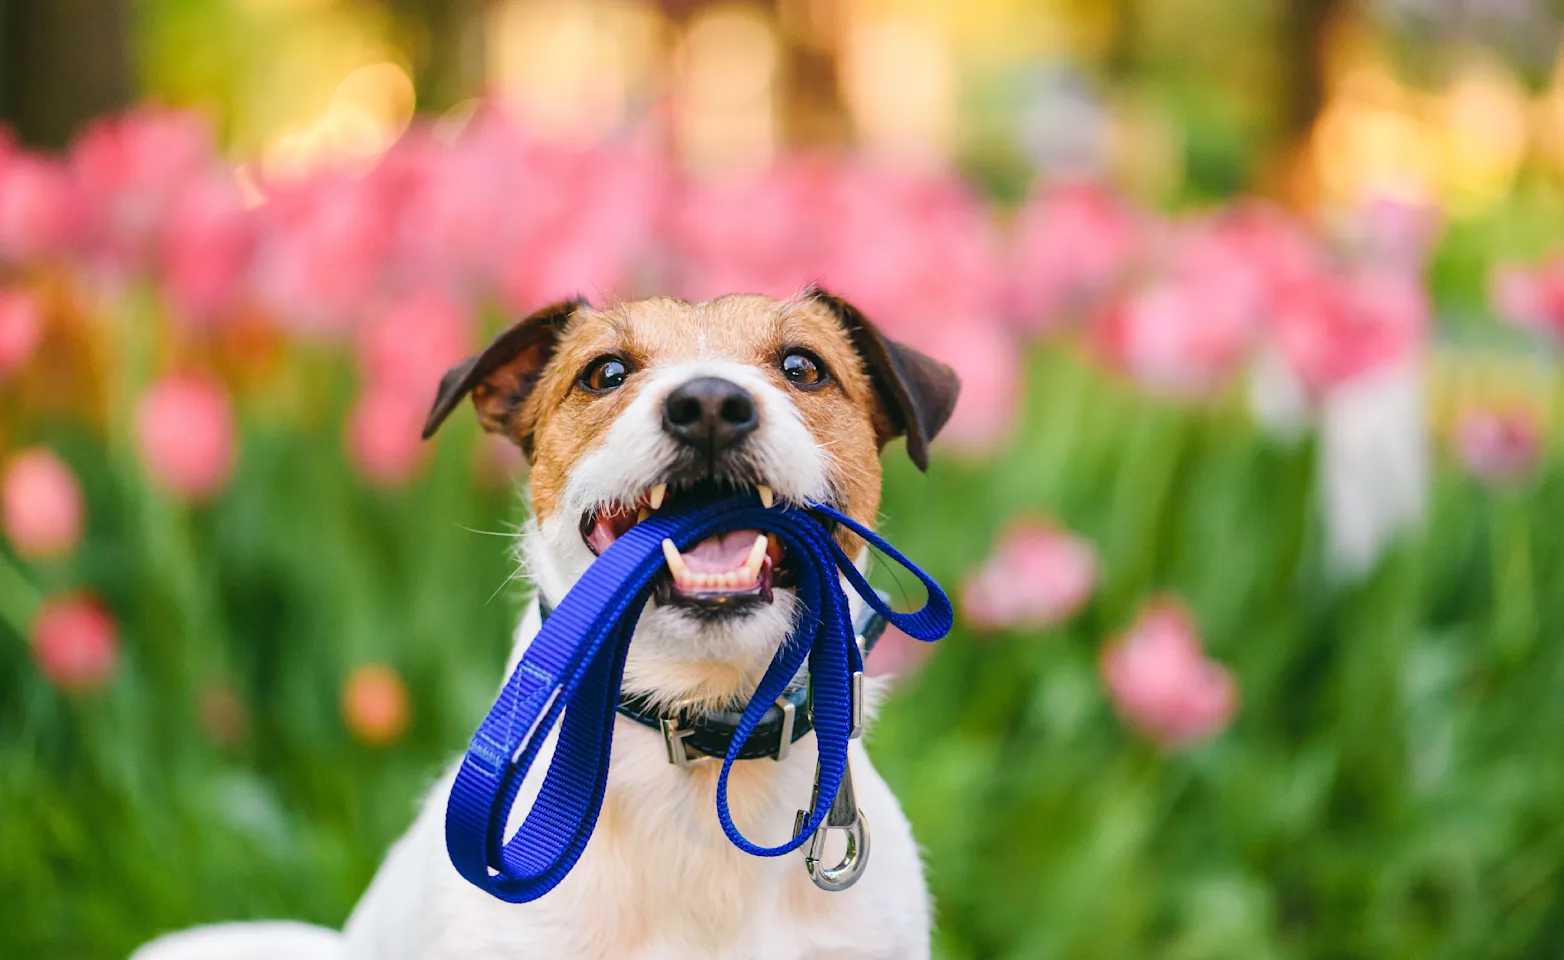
pixel 617 410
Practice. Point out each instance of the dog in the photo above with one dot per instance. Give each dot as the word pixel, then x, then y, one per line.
pixel 620 411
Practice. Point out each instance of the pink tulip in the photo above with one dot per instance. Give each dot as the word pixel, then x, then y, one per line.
pixel 205 250
pixel 410 343
pixel 21 328
pixel 38 212
pixel 42 504
pixel 185 425
pixel 897 655
pixel 375 705
pixel 1340 326
pixel 1531 298
pixel 321 252
pixel 75 643
pixel 1038 576
pixel 383 434
pixel 1175 340
pixel 127 170
pixel 1073 242
pixel 1161 681
pixel 1499 445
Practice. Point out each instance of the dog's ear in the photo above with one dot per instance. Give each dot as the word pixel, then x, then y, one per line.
pixel 918 392
pixel 502 377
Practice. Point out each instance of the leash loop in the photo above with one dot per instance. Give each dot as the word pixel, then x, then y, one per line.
pixel 568 680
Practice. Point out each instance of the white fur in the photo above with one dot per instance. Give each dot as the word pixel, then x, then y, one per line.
pixel 658 880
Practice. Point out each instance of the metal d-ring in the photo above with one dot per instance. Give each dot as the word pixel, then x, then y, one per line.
pixel 844 816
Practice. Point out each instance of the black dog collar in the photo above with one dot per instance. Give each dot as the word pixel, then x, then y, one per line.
pixel 693 737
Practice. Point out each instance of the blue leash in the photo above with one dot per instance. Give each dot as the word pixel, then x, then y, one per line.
pixel 570 675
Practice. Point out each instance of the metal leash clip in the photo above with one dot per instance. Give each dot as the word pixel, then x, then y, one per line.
pixel 843 815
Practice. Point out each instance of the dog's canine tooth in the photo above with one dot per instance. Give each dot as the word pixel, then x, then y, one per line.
pixel 676 564
pixel 654 499
pixel 765 495
pixel 642 514
pixel 757 553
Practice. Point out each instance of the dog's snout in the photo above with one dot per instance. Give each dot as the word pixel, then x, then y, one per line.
pixel 710 413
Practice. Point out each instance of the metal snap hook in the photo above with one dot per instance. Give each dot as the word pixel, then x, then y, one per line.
pixel 844 816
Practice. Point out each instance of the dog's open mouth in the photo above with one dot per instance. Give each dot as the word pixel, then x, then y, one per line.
pixel 722 573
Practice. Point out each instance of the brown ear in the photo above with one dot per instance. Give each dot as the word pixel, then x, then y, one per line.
pixel 502 377
pixel 918 391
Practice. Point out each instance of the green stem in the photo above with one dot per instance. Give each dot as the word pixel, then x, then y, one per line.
pixel 19 598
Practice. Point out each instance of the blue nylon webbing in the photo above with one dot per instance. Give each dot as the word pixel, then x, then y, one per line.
pixel 570 676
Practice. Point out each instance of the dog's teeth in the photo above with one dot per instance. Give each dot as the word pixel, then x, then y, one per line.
pixel 757 554
pixel 642 514
pixel 765 495
pixel 676 564
pixel 654 499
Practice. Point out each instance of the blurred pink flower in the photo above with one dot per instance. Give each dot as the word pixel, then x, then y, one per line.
pixel 75 643
pixel 1161 681
pixel 321 249
pixel 42 504
pixel 897 655
pixel 1038 575
pixel 1175 338
pixel 1393 233
pixel 1343 325
pixel 1499 445
pixel 185 426
pixel 375 704
pixel 127 169
pixel 21 328
pixel 205 248
pixel 1531 298
pixel 989 361
pixel 384 430
pixel 412 340
pixel 1073 241
pixel 37 208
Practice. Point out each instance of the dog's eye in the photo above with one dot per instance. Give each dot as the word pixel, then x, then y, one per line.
pixel 605 374
pixel 803 369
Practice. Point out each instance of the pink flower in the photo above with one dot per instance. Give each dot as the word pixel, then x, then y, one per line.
pixel 42 504
pixel 1175 339
pixel 1532 299
pixel 384 430
pixel 1073 242
pixel 987 358
pixel 75 643
pixel 127 170
pixel 1038 576
pixel 410 343
pixel 1161 681
pixel 21 328
pixel 897 655
pixel 375 704
pixel 320 253
pixel 1338 327
pixel 1499 445
pixel 37 209
pixel 185 425
pixel 205 250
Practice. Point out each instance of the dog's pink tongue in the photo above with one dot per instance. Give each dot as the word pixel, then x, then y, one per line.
pixel 723 553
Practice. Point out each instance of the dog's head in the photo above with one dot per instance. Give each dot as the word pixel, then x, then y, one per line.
pixel 622 410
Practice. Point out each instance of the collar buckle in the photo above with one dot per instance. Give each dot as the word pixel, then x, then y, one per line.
pixel 683 755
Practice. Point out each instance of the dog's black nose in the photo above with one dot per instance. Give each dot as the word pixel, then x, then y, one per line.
pixel 710 414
